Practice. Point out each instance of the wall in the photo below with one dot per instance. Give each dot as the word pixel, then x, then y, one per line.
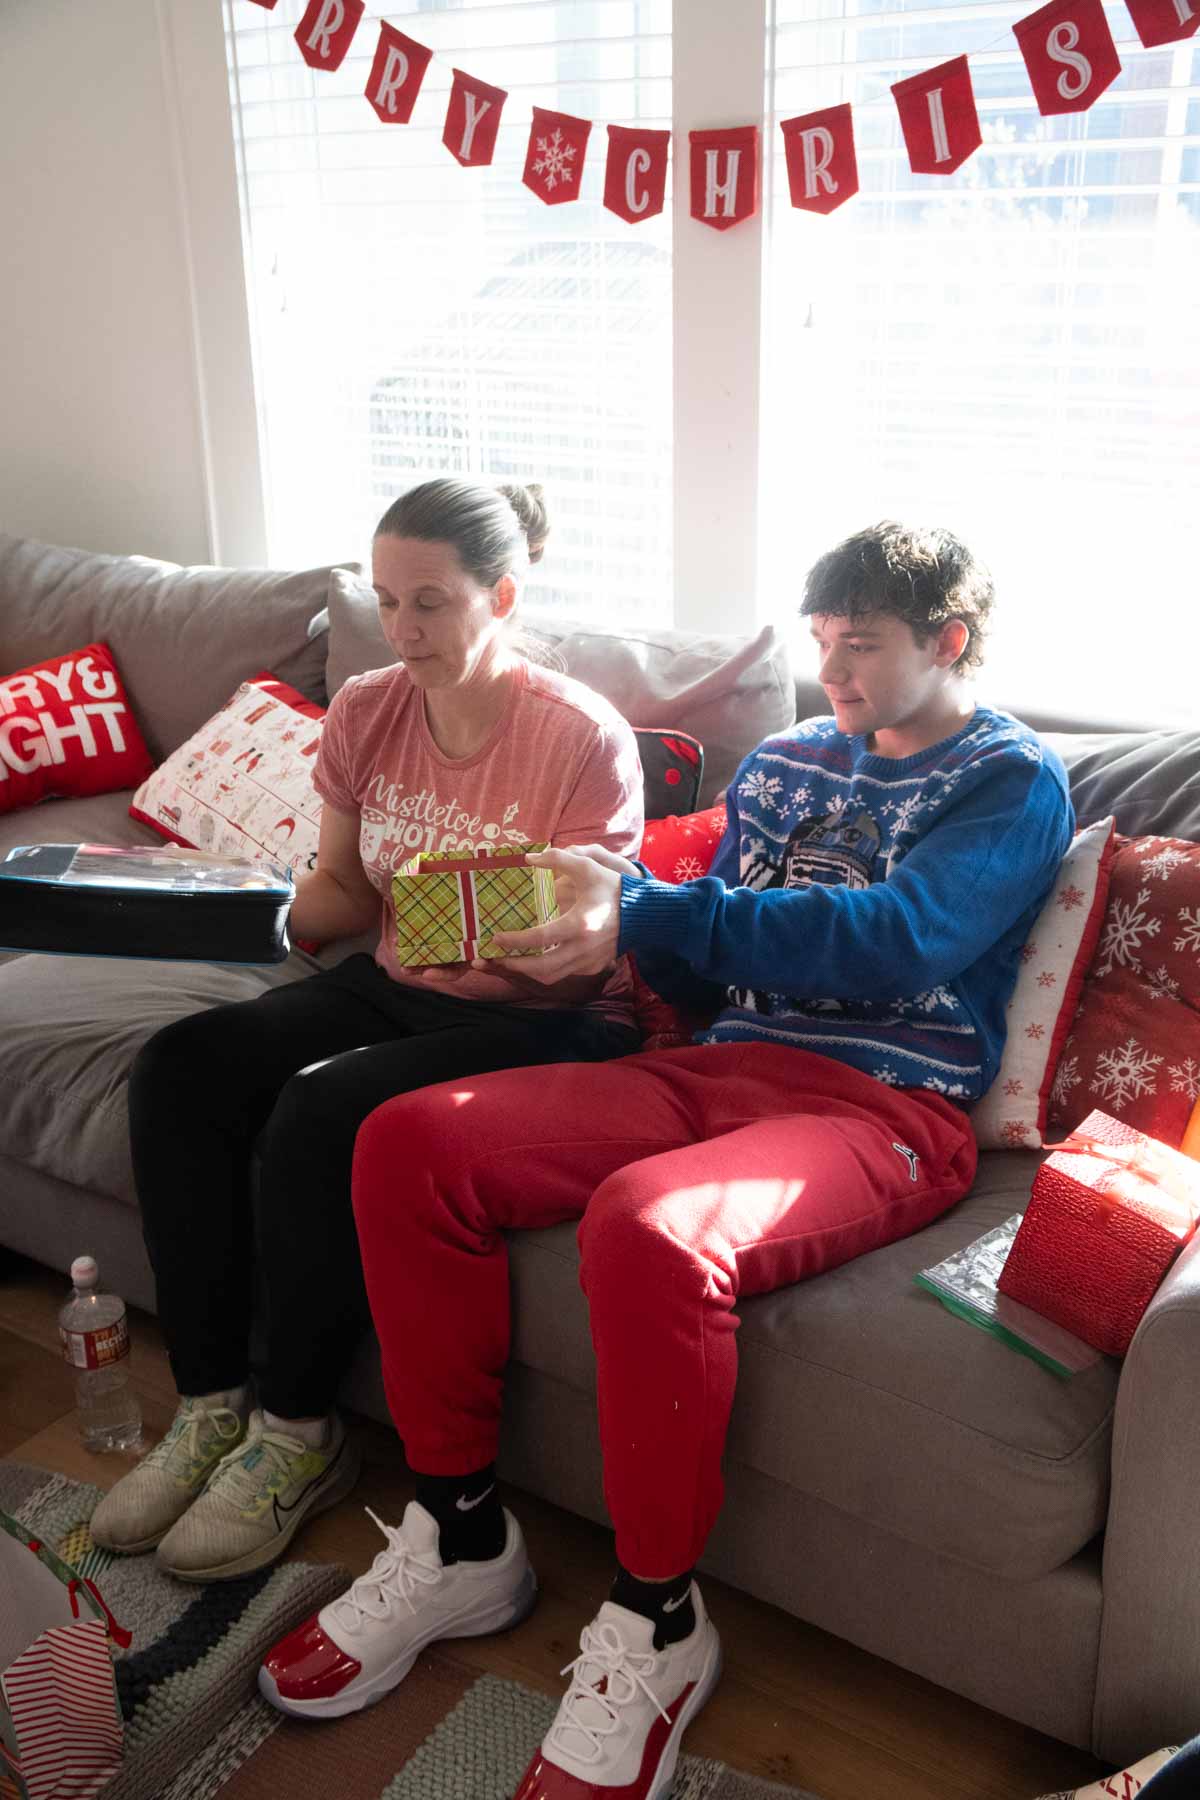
pixel 120 184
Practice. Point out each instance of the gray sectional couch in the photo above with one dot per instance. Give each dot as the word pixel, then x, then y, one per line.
pixel 892 1475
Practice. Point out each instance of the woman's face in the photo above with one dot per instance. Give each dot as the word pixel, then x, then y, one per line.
pixel 442 625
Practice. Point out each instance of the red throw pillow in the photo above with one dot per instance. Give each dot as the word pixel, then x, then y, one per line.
pixel 242 784
pixel 1134 1047
pixel 675 850
pixel 66 729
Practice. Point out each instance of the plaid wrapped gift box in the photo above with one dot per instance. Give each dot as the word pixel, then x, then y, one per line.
pixel 448 905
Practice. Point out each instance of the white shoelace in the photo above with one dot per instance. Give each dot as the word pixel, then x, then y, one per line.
pixel 588 1709
pixel 184 1432
pixel 394 1576
pixel 242 1485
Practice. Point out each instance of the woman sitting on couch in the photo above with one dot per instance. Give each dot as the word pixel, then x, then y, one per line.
pixel 464 744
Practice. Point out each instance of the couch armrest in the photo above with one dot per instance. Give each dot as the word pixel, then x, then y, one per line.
pixel 1148 1680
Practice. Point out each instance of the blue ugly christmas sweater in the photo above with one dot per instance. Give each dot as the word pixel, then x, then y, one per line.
pixel 866 907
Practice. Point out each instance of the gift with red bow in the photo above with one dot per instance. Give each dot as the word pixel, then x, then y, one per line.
pixel 1110 1211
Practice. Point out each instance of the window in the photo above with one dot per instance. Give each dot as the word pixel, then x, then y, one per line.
pixel 414 318
pixel 1010 351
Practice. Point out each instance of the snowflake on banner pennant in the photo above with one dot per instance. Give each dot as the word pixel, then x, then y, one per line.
pixel 688 868
pixel 1189 918
pixel 1163 863
pixel 1161 985
pixel 554 162
pixel 1125 927
pixel 1070 898
pixel 1126 1074
pixel 1185 1077
pixel 1066 1076
pixel 765 789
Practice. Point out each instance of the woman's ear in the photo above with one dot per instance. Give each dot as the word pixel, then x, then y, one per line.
pixel 952 640
pixel 504 597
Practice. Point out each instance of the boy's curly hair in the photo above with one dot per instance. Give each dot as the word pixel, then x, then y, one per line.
pixel 924 576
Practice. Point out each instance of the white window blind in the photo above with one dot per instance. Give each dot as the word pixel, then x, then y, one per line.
pixel 413 318
pixel 1011 351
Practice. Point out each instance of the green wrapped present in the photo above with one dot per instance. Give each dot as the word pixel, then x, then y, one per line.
pixel 449 904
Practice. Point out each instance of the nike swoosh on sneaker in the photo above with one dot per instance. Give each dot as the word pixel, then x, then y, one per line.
pixel 465 1505
pixel 674 1605
pixel 279 1507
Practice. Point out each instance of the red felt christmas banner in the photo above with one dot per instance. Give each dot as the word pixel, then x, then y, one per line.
pixel 325 32
pixel 1164 21
pixel 724 170
pixel 635 176
pixel 554 159
pixel 472 120
pixel 1070 54
pixel 396 75
pixel 821 164
pixel 938 118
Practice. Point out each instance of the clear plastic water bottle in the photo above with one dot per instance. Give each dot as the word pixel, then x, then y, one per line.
pixel 95 1342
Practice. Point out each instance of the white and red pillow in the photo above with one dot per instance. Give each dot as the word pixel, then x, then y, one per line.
pixel 1134 1047
pixel 242 784
pixel 1054 963
pixel 66 729
pixel 674 849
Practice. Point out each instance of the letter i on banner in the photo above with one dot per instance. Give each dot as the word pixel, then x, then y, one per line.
pixel 325 32
pixel 396 75
pixel 1070 55
pixel 1164 21
pixel 938 118
pixel 554 159
pixel 635 176
pixel 724 171
pixel 821 164
pixel 472 120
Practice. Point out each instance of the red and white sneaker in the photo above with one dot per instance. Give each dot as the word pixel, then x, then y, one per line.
pixel 363 1644
pixel 618 1730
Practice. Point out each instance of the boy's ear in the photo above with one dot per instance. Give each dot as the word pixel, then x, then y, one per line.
pixel 952 640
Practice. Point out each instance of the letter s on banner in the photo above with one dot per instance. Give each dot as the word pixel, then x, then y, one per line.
pixel 325 32
pixel 1164 21
pixel 635 176
pixel 821 164
pixel 472 120
pixel 938 118
pixel 724 175
pixel 1070 54
pixel 396 75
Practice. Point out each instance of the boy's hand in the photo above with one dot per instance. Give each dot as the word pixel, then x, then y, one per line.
pixel 583 939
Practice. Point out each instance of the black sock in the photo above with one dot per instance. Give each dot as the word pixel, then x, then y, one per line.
pixel 667 1603
pixel 467 1508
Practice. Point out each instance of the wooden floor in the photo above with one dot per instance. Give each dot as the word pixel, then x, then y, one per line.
pixel 794 1704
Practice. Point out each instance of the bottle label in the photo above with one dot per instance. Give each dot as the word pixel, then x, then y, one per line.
pixel 96 1349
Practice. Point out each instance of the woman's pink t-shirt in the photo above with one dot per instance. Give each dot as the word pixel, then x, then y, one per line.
pixel 561 766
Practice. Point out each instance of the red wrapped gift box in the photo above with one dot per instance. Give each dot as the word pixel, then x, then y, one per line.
pixel 1110 1211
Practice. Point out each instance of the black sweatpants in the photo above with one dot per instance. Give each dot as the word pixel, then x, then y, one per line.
pixel 295 1072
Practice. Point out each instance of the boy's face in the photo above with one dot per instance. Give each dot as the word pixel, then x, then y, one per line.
pixel 879 680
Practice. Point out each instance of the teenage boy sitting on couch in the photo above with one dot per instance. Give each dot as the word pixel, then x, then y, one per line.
pixel 858 941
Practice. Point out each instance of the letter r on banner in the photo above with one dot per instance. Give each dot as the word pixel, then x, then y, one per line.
pixel 396 75
pixel 724 175
pixel 635 176
pixel 1164 21
pixel 324 33
pixel 1070 54
pixel 472 120
pixel 821 164
pixel 938 118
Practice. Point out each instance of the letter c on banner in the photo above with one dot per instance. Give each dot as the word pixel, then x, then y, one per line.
pixel 638 164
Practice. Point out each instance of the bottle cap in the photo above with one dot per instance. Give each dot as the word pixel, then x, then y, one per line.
pixel 85 1271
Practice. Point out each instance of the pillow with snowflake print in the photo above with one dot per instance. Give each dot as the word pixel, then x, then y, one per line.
pixel 674 850
pixel 1134 1046
pixel 1054 961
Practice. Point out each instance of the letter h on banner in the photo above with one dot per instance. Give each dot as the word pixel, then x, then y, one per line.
pixel 1070 55
pixel 472 120
pixel 821 164
pixel 325 32
pixel 938 118
pixel 396 75
pixel 635 176
pixel 724 171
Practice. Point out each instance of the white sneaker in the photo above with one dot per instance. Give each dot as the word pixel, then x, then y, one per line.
pixel 143 1506
pixel 1124 1785
pixel 619 1727
pixel 363 1644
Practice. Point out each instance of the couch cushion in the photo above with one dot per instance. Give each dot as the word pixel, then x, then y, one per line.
pixel 1149 779
pixel 861 1390
pixel 183 638
pixel 72 1027
pixel 730 692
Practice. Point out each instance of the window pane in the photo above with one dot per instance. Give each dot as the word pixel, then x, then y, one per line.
pixel 1010 351
pixel 415 318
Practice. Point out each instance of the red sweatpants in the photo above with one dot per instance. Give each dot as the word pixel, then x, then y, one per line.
pixel 698 1174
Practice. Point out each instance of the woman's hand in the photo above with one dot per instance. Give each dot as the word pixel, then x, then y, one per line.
pixel 583 939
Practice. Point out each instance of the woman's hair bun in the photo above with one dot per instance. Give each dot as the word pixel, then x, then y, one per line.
pixel 529 504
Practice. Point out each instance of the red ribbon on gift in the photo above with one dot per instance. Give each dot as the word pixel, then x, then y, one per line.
pixel 1149 1161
